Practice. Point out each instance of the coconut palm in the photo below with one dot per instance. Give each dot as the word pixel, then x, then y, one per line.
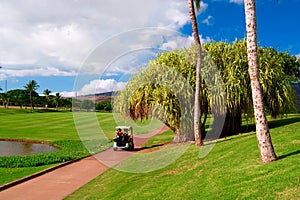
pixel 57 99
pixel 47 92
pixel 31 87
pixel 197 121
pixel 267 153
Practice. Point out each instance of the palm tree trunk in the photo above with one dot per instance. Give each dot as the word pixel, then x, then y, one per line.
pixel 31 100
pixel 197 122
pixel 267 153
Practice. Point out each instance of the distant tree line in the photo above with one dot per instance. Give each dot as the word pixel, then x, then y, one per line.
pixel 29 98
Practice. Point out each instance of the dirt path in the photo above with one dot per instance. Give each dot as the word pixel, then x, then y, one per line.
pixel 63 181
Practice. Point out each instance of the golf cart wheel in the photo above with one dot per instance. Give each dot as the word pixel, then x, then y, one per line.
pixel 131 147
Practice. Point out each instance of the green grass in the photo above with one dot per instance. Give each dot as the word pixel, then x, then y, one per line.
pixel 232 170
pixel 58 128
pixel 159 140
pixel 11 174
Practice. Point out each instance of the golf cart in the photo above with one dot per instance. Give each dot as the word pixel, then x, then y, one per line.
pixel 124 138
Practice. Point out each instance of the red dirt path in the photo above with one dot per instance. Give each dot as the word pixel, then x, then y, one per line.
pixel 63 181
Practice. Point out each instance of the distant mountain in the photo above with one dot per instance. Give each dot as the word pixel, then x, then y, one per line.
pixel 98 97
pixel 112 93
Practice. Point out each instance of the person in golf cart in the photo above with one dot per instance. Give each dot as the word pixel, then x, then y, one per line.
pixel 124 140
pixel 119 137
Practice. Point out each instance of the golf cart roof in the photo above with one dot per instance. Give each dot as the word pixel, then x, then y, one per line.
pixel 123 127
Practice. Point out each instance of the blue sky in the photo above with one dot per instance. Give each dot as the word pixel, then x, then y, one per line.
pixel 94 46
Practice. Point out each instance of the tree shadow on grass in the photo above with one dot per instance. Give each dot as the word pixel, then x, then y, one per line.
pixel 288 154
pixel 272 124
pixel 149 147
pixel 251 128
pixel 227 138
pixel 283 122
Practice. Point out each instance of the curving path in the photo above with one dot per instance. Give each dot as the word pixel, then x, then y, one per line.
pixel 61 182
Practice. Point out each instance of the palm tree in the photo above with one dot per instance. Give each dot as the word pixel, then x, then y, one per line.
pixel 267 153
pixel 31 87
pixel 197 121
pixel 57 100
pixel 46 93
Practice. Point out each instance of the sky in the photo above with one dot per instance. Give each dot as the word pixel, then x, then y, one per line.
pixel 94 46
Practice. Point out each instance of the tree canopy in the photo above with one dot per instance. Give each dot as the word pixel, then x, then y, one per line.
pixel 165 88
pixel 31 87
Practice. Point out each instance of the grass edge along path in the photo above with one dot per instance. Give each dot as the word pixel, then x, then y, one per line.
pixel 232 170
pixel 48 168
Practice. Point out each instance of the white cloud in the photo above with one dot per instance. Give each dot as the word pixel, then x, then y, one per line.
pixel 178 43
pixel 203 6
pixel 60 33
pixel 179 14
pixel 181 42
pixel 39 71
pixel 100 86
pixel 68 94
pixel 95 87
pixel 134 50
pixel 207 21
pixel 237 1
pixel 56 37
pixel 205 40
pixel 298 55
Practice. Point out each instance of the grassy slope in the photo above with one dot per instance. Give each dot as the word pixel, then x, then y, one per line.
pixel 232 170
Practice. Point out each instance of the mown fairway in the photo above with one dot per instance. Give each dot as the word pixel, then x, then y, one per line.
pixel 232 170
pixel 55 127
pixel 48 126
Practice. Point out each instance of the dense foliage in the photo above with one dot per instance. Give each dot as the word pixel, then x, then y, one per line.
pixel 87 105
pixel 153 92
pixel 104 105
pixel 163 92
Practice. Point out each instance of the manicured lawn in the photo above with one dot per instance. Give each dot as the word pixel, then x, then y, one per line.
pixel 232 170
pixel 11 174
pixel 58 128
pixel 48 126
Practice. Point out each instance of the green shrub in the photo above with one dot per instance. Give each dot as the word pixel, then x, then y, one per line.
pixel 70 149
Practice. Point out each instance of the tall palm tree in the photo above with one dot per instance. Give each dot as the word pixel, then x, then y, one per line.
pixel 31 87
pixel 46 93
pixel 57 100
pixel 267 153
pixel 197 121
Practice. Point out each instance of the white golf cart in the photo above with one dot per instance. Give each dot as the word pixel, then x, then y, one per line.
pixel 125 140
